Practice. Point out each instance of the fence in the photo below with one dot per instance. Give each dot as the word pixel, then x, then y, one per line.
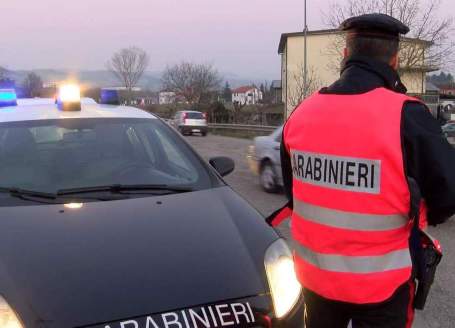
pixel 262 119
pixel 241 130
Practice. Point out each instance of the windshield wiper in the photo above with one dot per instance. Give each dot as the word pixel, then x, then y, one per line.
pixel 19 192
pixel 119 188
pixel 47 198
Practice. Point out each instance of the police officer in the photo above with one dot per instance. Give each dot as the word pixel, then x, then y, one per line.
pixel 348 155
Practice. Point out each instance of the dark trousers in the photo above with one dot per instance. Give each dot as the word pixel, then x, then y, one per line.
pixel 396 312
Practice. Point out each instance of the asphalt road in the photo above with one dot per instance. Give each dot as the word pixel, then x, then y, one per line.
pixel 440 310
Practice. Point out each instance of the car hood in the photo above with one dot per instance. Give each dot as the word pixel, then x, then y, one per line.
pixel 263 142
pixel 63 267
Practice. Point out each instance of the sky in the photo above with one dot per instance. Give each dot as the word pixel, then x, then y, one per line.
pixel 236 36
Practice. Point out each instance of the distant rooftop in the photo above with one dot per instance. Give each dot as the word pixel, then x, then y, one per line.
pixel 431 87
pixel 285 36
pixel 276 84
pixel 243 89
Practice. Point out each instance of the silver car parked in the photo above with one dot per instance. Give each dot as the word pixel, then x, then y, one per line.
pixel 264 160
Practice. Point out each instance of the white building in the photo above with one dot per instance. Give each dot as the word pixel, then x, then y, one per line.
pixel 247 95
pixel 167 97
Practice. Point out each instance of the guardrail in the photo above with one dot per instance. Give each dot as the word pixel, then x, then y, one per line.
pixel 241 130
pixel 264 128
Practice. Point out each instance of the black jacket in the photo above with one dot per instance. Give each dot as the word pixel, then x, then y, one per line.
pixel 428 157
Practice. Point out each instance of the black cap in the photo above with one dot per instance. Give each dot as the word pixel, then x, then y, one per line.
pixel 375 25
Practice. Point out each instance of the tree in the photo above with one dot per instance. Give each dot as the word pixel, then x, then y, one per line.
pixel 262 89
pixel 300 91
pixel 128 65
pixel 196 83
pixel 32 85
pixel 423 19
pixel 227 93
pixel 443 79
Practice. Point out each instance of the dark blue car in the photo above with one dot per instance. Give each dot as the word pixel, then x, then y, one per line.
pixel 109 219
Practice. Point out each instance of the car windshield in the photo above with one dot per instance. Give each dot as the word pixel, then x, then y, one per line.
pixel 53 155
pixel 276 135
pixel 194 115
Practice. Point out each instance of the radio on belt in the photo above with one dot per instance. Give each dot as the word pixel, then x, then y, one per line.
pixel 69 98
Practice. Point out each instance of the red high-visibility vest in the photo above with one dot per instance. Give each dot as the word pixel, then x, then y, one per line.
pixel 351 203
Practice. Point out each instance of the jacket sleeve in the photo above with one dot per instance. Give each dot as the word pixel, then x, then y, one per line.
pixel 430 160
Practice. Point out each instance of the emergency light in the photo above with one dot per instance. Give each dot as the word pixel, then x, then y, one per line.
pixel 109 97
pixel 8 97
pixel 69 98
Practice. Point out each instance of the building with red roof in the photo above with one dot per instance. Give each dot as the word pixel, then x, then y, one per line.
pixel 246 95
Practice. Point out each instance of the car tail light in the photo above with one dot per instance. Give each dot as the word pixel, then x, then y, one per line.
pixel 184 117
pixel 204 116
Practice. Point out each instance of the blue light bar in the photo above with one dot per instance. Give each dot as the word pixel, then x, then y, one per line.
pixel 8 98
pixel 109 97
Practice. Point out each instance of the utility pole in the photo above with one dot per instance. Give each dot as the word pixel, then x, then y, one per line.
pixel 305 70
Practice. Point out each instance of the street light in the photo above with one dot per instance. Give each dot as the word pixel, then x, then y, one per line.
pixel 305 32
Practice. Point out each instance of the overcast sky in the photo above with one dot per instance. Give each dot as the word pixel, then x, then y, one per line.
pixel 237 36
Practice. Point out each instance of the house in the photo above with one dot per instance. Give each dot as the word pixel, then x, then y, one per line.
pixel 166 97
pixel 276 91
pixel 146 98
pixel 324 57
pixel 246 95
pixel 447 90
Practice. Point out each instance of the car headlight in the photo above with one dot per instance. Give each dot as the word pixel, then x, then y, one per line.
pixel 284 286
pixel 8 318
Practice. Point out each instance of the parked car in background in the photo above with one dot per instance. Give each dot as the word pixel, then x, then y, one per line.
pixel 264 160
pixel 449 130
pixel 189 122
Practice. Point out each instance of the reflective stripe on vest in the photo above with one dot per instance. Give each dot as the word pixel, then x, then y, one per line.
pixel 348 220
pixel 356 264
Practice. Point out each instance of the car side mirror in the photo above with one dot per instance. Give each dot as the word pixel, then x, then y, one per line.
pixel 223 165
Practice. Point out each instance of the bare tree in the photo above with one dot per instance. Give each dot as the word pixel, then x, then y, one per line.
pixel 32 85
pixel 300 91
pixel 128 65
pixel 196 83
pixel 422 17
pixel 237 107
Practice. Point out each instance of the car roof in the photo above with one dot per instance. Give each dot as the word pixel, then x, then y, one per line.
pixel 45 109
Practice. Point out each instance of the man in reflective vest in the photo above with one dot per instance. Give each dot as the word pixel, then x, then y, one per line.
pixel 348 153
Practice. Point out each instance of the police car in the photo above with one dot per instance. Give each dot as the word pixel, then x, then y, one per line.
pixel 109 219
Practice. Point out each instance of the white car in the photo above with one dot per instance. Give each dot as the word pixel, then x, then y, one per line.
pixel 264 160
pixel 449 130
pixel 189 122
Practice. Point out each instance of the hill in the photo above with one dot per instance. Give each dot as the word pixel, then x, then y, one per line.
pixel 104 78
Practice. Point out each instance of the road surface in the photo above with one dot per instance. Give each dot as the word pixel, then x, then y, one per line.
pixel 440 310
